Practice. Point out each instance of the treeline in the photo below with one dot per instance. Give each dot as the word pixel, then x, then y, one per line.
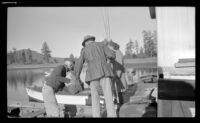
pixel 21 57
pixel 149 49
pixel 25 56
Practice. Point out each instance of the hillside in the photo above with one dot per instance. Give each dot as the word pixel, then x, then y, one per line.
pixel 39 57
pixel 36 56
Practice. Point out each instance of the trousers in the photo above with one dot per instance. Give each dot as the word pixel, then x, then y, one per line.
pixel 105 83
pixel 50 102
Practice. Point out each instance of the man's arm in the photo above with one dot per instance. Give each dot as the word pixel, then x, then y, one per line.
pixel 79 65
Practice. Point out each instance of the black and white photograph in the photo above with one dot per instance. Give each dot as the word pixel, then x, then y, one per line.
pixel 100 62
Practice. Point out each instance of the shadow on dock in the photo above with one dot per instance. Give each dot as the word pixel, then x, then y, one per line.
pixel 171 89
pixel 70 111
pixel 151 110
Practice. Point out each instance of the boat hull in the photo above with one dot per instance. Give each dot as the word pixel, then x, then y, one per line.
pixel 62 98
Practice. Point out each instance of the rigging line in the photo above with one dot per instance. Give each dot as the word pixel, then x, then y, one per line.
pixel 108 29
pixel 108 23
pixel 104 22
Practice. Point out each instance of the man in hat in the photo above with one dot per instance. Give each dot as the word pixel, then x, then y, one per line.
pixel 53 83
pixel 99 73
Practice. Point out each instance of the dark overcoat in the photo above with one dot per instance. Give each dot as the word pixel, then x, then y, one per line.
pixel 57 78
pixel 95 54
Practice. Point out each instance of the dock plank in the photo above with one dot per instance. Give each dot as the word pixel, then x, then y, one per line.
pixel 164 108
pixel 177 110
pixel 132 110
pixel 186 105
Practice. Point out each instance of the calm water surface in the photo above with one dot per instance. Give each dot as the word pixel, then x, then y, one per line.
pixel 17 80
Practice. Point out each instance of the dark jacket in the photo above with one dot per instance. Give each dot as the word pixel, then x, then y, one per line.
pixel 57 78
pixel 118 63
pixel 119 70
pixel 95 54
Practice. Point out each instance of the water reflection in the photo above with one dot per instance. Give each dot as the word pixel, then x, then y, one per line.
pixel 17 80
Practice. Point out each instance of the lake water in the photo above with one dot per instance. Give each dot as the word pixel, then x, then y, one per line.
pixel 18 79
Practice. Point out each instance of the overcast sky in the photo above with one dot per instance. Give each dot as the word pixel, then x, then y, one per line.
pixel 63 28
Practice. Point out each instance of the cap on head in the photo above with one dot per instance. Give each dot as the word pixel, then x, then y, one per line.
pixel 69 61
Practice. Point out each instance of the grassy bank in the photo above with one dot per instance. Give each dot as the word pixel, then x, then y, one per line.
pixel 31 66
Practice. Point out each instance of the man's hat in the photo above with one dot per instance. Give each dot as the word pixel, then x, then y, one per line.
pixel 86 38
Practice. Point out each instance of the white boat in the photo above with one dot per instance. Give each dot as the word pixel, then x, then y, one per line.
pixel 63 98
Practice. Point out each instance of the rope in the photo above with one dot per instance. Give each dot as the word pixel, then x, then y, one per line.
pixel 106 23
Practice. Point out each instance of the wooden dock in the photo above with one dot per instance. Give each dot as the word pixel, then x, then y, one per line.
pixel 140 104
pixel 35 109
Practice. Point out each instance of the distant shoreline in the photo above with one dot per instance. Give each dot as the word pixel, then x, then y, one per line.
pixel 136 63
pixel 31 66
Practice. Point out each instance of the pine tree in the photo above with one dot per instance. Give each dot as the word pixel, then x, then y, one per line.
pixel 150 43
pixel 46 52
